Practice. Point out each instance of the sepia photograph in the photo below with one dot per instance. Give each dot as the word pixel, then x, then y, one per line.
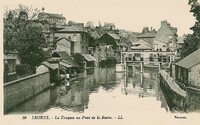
pixel 100 62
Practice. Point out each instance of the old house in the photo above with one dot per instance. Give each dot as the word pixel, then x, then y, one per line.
pixel 139 50
pixel 67 64
pixel 187 70
pixel 160 45
pixel 147 35
pixel 141 45
pixel 115 41
pixel 106 52
pixel 65 44
pixel 77 34
pixel 89 60
pixel 52 18
pixel 168 35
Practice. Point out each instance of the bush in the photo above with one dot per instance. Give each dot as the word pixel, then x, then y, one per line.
pixel 110 62
pixel 24 70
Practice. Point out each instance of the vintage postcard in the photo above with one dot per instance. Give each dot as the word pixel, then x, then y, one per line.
pixel 100 62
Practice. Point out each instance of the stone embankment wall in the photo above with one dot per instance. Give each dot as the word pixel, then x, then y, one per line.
pixel 19 90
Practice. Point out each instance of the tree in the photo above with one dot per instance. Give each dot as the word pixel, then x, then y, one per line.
pixel 25 35
pixel 192 41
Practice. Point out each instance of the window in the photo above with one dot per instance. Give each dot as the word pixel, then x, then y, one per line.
pixel 137 54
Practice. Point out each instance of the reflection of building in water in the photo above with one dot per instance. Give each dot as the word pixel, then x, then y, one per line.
pixel 75 99
pixel 144 83
pixel 107 78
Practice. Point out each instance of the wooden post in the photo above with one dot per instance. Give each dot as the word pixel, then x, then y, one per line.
pixel 141 73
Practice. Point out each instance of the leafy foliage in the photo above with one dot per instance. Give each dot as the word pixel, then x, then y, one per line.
pixel 109 62
pixel 23 70
pixel 191 41
pixel 25 35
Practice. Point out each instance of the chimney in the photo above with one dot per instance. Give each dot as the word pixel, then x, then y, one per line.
pixel 164 23
pixel 43 9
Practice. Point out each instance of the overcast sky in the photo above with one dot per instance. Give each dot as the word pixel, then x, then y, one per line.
pixel 131 15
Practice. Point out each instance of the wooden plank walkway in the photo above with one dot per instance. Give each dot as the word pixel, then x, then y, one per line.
pixel 172 84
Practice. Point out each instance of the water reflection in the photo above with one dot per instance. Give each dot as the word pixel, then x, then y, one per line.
pixel 143 83
pixel 77 97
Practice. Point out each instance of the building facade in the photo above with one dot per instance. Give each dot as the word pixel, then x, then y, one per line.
pixel 187 71
pixel 51 18
pixel 77 35
pixel 115 41
pixel 167 35
pixel 64 44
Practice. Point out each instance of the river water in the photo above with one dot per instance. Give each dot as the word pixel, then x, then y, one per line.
pixel 106 97
pixel 104 91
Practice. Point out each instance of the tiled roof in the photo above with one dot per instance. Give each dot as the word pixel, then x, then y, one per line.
pixel 65 64
pixel 66 58
pixel 146 35
pixel 141 41
pixel 160 40
pixel 114 35
pixel 95 34
pixel 142 46
pixel 70 28
pixel 88 57
pixel 119 43
pixel 190 61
